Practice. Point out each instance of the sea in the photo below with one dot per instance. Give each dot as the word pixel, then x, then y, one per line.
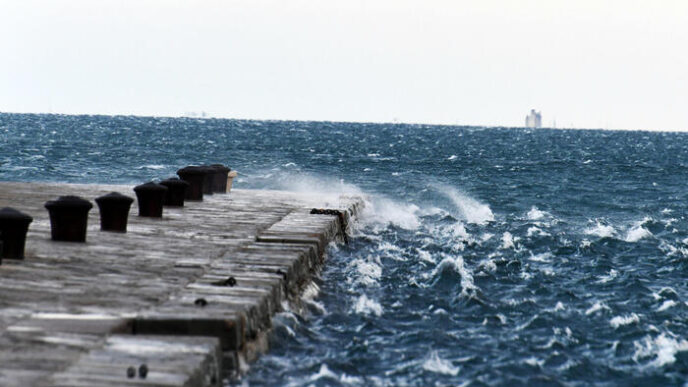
pixel 484 256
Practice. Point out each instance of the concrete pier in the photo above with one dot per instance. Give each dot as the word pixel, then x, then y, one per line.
pixel 182 300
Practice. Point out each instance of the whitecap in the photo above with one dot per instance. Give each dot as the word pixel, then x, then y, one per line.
pixel 457 230
pixel 154 167
pixel 596 307
pixel 324 372
pixel 386 246
pixel 606 278
pixel 637 233
pixel 662 348
pixel 618 321
pixel 436 364
pixel 368 272
pixel 470 209
pixel 367 306
pixel 354 380
pixel 507 241
pixel 457 265
pixel 666 305
pixel 536 231
pixel 385 211
pixel 534 362
pixel 452 157
pixel 542 257
pixel 601 230
pixel 311 291
pixel 535 214
pixel 425 256
pixel 559 307
pixel 489 265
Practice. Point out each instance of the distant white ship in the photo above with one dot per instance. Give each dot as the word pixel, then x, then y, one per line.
pixel 534 119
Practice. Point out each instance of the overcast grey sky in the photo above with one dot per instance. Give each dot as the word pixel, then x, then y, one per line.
pixel 586 63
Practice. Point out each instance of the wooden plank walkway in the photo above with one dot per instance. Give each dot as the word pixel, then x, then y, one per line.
pixel 83 314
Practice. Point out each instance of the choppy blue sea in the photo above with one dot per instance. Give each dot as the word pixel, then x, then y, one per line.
pixel 485 256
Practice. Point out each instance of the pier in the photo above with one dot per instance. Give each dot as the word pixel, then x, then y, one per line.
pixel 182 300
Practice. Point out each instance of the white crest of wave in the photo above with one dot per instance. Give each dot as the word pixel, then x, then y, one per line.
pixel 601 230
pixel 596 307
pixel 425 256
pixel 663 348
pixel 456 264
pixel 637 233
pixel 507 241
pixel 315 188
pixel 368 272
pixel 606 278
pixel 470 209
pixel 378 210
pixel 385 211
pixel 434 363
pixel 624 320
pixel 542 257
pixel 535 214
pixel 324 372
pixel 666 305
pixel 367 306
pixel 532 231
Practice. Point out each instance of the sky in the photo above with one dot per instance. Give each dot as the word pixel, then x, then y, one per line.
pixel 584 63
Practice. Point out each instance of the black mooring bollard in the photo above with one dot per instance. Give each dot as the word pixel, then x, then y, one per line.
pixel 220 178
pixel 114 211
pixel 195 176
pixel 68 218
pixel 209 179
pixel 176 191
pixel 150 197
pixel 13 228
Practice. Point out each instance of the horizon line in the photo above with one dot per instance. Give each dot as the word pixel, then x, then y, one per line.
pixel 185 115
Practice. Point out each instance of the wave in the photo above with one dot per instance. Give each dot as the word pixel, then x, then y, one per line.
pixel 619 321
pixel 662 349
pixel 456 264
pixel 471 210
pixel 367 306
pixel 601 230
pixel 434 363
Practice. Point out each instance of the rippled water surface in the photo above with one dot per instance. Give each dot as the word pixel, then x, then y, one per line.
pixel 484 256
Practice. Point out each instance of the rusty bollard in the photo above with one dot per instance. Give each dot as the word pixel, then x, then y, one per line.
pixel 150 197
pixel 13 228
pixel 195 176
pixel 114 211
pixel 176 191
pixel 220 178
pixel 68 218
